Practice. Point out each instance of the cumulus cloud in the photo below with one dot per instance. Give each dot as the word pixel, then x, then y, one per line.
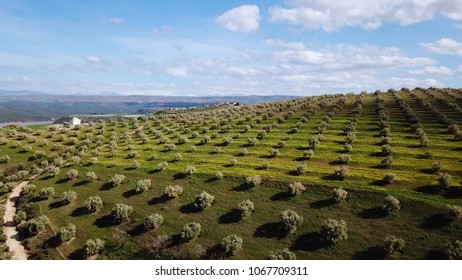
pixel 241 19
pixel 116 20
pixel 432 70
pixel 445 46
pixel 93 59
pixel 331 15
pixel 177 72
pixel 278 43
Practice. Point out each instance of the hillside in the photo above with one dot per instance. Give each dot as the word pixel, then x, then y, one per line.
pixel 405 144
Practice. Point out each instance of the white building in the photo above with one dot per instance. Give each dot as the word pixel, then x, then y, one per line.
pixel 76 121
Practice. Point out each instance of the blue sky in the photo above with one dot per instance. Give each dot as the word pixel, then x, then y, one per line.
pixel 293 47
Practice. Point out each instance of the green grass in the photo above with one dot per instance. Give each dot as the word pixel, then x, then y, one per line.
pixel 417 222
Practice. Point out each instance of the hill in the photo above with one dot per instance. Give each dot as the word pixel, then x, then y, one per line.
pixel 397 154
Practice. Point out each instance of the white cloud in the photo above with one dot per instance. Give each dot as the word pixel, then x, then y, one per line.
pixel 177 72
pixel 116 20
pixel 93 59
pixel 17 78
pixel 282 44
pixel 241 19
pixel 331 15
pixel 399 82
pixel 445 46
pixel 432 70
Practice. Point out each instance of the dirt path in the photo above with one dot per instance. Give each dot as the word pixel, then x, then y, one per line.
pixel 19 253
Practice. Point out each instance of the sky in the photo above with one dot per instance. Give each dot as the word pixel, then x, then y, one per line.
pixel 233 47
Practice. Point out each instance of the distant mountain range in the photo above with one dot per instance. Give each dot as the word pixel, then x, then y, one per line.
pixel 28 105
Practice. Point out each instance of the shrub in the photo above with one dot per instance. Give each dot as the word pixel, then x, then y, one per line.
pixel 169 147
pixel 66 233
pixel 28 189
pixel 339 195
pixel 5 159
pixel 389 178
pixel 47 192
pixel 436 166
pixel 344 158
pixel 227 141
pixel 91 176
pixel 143 185
pixel 301 168
pixel 453 250
pixel 348 147
pixel 68 197
pixel 93 247
pixel 204 200
pixel 308 154
pixel 153 221
pixel 244 152
pixel 53 170
pixel 233 161
pixel 183 139
pixel 72 174
pixel 334 231
pixel 219 175
pixel 391 204
pixel 177 157
pixel 274 152
pixel 444 180
pixel 252 141
pixel 19 217
pixel 283 254
pixel 217 150
pixel 246 207
pixel 38 224
pixel 393 244
pixel 387 162
pixel 121 212
pixel 173 191
pixel 132 154
pixel 385 140
pixel 290 220
pixel 453 212
pixel 190 231
pixel 231 244
pixel 386 150
pixel 162 165
pixel 341 172
pixel 296 188
pixel 253 181
pixel 93 203
pixel 117 180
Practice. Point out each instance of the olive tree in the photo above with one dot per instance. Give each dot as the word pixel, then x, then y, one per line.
pixel 231 244
pixel 143 185
pixel 153 221
pixel 245 207
pixel 190 231
pixel 173 191
pixel 296 188
pixel 334 231
pixel 283 254
pixel 204 200
pixel 291 220
pixel 121 212
pixel 93 247
pixel 47 192
pixel 117 180
pixel 68 197
pixel 339 195
pixel 93 203
pixel 66 233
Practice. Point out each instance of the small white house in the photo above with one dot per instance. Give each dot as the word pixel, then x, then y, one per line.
pixel 76 121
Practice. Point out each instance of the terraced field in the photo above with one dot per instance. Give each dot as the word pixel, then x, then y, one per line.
pixel 404 144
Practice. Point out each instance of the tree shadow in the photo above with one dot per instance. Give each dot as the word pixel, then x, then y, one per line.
pixel 270 230
pixel 51 242
pixel 322 203
pixel 311 241
pixel 211 180
pixel 57 204
pixel 130 193
pixel 155 171
pixel 80 211
pixel 179 176
pixel 241 187
pixel 436 221
pixel 373 213
pixel 428 189
pixel 435 255
pixel 381 183
pixel 376 154
pixel 106 186
pixel 36 199
pixel 330 177
pixel 80 183
pixel 372 253
pixel 281 196
pixel 293 173
pixel 105 222
pixel 62 181
pixel 159 200
pixel 453 192
pixel 189 208
pixel 216 252
pixel 230 217
pixel 78 254
pixel 137 230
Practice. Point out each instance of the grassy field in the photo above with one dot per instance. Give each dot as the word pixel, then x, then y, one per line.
pixel 105 148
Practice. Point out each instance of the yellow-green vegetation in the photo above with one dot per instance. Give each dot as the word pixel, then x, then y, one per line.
pixel 326 177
